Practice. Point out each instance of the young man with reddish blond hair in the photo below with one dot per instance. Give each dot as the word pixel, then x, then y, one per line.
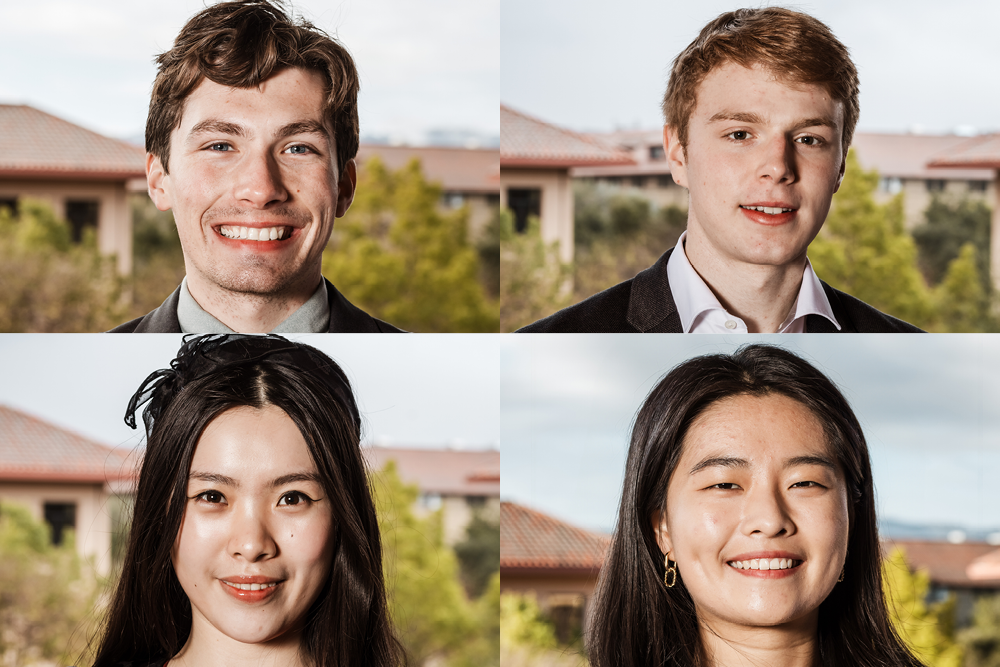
pixel 760 111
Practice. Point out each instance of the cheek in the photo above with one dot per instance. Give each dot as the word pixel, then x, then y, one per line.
pixel 310 542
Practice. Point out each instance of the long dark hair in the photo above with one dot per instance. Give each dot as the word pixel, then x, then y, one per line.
pixel 150 616
pixel 637 622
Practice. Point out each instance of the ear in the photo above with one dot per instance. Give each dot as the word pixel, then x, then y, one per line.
pixel 840 177
pixel 157 182
pixel 346 186
pixel 675 156
pixel 659 520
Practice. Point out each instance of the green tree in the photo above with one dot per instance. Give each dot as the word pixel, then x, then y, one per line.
pixel 49 283
pixel 399 257
pixel 479 553
pixel 948 226
pixel 981 640
pixel 927 629
pixel 963 302
pixel 157 258
pixel 483 650
pixel 522 623
pixel 533 280
pixel 863 250
pixel 426 600
pixel 46 593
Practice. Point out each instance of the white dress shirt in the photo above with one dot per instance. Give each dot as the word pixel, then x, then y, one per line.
pixel 701 312
pixel 311 317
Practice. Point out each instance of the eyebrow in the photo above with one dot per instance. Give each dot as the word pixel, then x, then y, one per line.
pixel 216 478
pixel 218 126
pixel 757 119
pixel 743 464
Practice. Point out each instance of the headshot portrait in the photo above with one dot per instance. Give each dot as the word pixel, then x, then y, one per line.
pixel 764 127
pixel 202 174
pixel 264 501
pixel 779 502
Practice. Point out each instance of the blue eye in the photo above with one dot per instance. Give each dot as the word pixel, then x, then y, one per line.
pixel 299 149
pixel 220 147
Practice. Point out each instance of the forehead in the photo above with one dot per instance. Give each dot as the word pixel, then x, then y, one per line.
pixel 731 86
pixel 766 428
pixel 291 95
pixel 247 443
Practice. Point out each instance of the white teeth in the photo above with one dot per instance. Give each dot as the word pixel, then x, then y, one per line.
pixel 767 209
pixel 251 587
pixel 252 233
pixel 765 564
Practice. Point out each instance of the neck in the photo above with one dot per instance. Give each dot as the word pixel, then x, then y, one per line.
pixel 250 313
pixel 759 294
pixel 788 645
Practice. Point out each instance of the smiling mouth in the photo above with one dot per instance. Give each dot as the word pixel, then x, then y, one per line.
pixel 765 564
pixel 768 209
pixel 250 587
pixel 254 233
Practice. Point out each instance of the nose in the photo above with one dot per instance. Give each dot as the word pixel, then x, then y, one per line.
pixel 778 160
pixel 766 513
pixel 258 181
pixel 251 538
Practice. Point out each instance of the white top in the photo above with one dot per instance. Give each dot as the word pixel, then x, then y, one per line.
pixel 701 312
pixel 311 317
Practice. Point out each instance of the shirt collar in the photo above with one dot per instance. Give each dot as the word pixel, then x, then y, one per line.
pixel 693 297
pixel 311 317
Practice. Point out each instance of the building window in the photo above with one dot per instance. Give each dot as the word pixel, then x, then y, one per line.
pixel 9 203
pixel 524 202
pixel 60 516
pixel 566 612
pixel 81 214
pixel 430 501
pixel 454 199
pixel 664 181
pixel 935 185
pixel 656 153
pixel 493 199
pixel 475 501
pixel 974 186
pixel 637 181
pixel 890 184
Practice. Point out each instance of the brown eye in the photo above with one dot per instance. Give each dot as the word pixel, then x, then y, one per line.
pixel 212 497
pixel 293 498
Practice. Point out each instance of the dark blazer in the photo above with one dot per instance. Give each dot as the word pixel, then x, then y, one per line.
pixel 345 317
pixel 644 304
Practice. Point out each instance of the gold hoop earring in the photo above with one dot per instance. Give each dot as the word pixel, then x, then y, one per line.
pixel 670 576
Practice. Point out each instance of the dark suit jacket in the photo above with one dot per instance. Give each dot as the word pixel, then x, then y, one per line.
pixel 644 304
pixel 345 317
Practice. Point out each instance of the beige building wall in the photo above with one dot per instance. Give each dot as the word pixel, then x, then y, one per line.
pixel 114 225
pixel 556 204
pixel 456 514
pixel 93 521
pixel 553 588
pixel 916 196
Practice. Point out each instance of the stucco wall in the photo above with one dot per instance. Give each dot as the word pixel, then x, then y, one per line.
pixel 556 205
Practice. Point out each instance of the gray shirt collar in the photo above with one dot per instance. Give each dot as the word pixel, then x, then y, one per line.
pixel 312 317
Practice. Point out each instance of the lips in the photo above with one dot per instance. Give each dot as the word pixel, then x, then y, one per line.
pixel 770 213
pixel 766 564
pixel 251 588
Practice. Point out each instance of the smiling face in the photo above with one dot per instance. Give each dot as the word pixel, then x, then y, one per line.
pixel 756 484
pixel 254 185
pixel 763 160
pixel 255 546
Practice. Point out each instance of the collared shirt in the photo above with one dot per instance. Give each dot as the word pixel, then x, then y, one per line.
pixel 311 317
pixel 700 311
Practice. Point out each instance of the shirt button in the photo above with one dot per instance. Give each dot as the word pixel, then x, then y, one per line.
pixel 730 324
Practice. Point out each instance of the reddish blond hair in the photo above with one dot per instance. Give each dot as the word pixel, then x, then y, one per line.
pixel 794 46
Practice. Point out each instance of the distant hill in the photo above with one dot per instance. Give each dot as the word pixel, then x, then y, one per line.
pixel 936 532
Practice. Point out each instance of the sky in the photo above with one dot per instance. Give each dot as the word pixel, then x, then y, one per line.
pixel 593 66
pixel 423 65
pixel 427 390
pixel 928 405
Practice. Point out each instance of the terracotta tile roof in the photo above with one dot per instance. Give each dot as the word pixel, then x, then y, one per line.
pixel 447 472
pixel 981 152
pixel 530 540
pixel 472 170
pixel 908 155
pixel 949 564
pixel 529 142
pixel 34 450
pixel 34 144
